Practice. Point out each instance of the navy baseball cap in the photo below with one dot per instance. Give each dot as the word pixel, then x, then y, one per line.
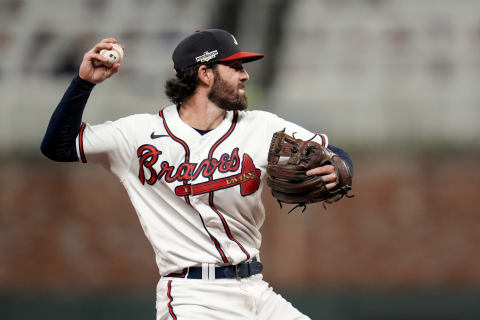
pixel 207 47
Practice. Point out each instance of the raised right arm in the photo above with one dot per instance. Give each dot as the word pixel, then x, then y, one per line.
pixel 59 141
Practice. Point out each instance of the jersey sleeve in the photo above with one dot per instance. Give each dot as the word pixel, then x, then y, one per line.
pixel 274 123
pixel 110 144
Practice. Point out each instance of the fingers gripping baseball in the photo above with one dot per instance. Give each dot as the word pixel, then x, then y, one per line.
pixel 97 65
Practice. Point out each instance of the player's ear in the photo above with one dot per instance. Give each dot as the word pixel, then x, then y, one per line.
pixel 205 75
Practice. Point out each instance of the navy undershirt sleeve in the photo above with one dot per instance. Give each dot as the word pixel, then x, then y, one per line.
pixel 59 141
pixel 343 155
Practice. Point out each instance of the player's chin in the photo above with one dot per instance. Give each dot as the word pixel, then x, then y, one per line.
pixel 243 100
pixel 242 103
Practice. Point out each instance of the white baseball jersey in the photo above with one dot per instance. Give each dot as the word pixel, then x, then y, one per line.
pixel 198 197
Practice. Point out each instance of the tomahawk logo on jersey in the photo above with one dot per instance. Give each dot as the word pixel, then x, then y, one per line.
pixel 248 178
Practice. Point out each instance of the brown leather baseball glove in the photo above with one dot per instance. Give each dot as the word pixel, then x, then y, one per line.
pixel 287 176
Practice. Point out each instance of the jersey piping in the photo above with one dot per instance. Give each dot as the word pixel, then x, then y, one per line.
pixel 80 143
pixel 180 141
pixel 210 198
pixel 187 200
pixel 170 300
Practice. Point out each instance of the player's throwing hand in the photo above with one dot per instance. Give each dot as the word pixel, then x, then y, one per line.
pixel 95 67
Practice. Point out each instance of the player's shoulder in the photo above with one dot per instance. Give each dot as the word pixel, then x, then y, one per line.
pixel 145 117
pixel 135 122
pixel 140 118
pixel 257 114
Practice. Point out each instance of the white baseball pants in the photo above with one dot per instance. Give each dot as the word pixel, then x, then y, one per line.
pixel 221 299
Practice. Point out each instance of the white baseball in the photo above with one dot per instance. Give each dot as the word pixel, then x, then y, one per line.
pixel 114 55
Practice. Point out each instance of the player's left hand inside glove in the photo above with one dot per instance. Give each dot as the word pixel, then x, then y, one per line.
pixel 289 182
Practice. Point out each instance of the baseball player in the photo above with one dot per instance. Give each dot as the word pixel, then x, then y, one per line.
pixel 194 172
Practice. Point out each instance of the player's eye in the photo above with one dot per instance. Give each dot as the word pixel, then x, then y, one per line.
pixel 237 66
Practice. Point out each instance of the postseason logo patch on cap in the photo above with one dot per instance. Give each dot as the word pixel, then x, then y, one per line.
pixel 207 56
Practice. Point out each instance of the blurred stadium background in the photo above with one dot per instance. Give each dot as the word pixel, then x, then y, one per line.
pixel 394 82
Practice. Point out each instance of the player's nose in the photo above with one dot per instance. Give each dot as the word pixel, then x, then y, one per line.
pixel 244 75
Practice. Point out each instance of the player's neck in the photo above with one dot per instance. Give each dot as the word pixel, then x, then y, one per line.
pixel 201 113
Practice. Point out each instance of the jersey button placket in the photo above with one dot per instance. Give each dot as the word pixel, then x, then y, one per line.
pixel 194 159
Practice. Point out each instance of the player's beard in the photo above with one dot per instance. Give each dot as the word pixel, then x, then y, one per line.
pixel 226 96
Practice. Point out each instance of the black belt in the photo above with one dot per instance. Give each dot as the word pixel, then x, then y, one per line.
pixel 242 270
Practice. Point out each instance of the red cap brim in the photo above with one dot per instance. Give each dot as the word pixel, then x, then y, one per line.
pixel 244 56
